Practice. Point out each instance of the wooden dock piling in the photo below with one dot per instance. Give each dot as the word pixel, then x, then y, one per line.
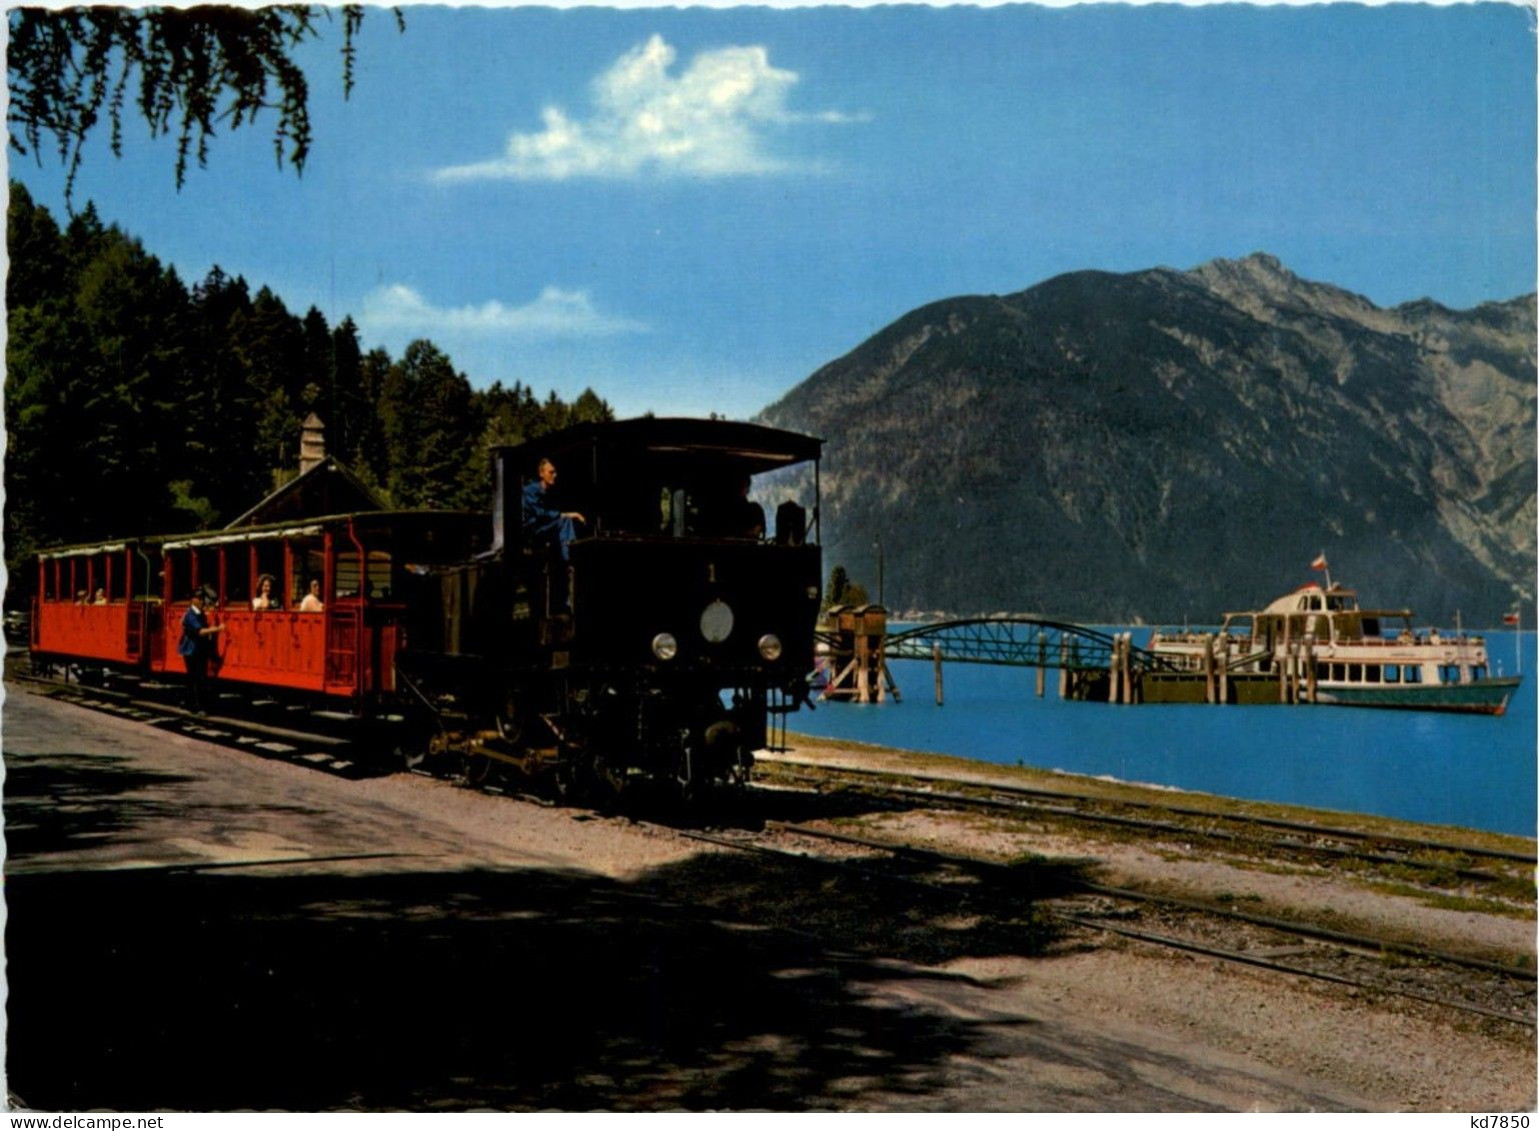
pixel 1210 683
pixel 1225 644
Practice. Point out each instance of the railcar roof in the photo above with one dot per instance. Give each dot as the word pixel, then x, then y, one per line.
pixel 300 528
pixel 755 447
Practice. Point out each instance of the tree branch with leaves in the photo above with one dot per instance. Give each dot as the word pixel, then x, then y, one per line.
pixel 189 70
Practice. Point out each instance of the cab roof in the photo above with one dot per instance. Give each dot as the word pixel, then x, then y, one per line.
pixel 743 447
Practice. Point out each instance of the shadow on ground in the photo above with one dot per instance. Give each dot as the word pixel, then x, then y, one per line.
pixel 724 981
pixel 72 801
pixel 521 989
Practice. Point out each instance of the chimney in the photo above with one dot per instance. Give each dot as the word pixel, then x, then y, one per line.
pixel 312 443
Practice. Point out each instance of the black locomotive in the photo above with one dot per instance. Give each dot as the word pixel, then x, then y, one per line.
pixel 665 640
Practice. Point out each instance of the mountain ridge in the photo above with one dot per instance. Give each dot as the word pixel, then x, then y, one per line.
pixel 1067 448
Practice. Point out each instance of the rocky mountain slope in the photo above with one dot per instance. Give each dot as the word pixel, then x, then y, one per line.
pixel 1165 445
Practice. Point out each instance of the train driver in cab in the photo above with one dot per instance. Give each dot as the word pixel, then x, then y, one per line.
pixel 543 524
pixel 745 518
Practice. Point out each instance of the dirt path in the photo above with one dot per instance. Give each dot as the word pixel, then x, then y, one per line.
pixel 196 927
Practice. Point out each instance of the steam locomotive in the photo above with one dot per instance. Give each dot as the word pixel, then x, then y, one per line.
pixel 665 640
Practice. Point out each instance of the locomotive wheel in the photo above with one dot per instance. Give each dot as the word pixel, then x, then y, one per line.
pixel 569 784
pixel 475 769
pixel 406 754
pixel 404 746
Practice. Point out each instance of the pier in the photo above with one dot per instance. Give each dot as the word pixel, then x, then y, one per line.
pixel 1087 664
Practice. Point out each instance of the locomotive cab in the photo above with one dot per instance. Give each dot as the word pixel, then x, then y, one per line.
pixel 662 632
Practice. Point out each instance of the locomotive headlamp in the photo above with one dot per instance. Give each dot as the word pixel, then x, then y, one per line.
pixel 716 621
pixel 664 646
pixel 769 646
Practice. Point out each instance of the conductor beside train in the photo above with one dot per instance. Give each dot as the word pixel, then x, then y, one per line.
pixel 627 612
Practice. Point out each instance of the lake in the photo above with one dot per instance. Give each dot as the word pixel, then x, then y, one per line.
pixel 1471 771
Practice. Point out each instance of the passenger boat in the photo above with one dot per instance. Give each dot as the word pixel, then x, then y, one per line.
pixel 1317 645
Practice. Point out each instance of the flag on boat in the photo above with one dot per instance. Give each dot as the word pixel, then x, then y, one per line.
pixel 1319 563
pixel 1510 618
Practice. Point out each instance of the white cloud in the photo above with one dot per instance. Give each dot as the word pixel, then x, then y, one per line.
pixel 556 313
pixel 709 121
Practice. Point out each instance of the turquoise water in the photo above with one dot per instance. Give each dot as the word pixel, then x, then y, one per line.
pixel 1468 771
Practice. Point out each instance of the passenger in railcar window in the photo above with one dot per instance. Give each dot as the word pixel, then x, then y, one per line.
pixel 312 602
pixel 82 598
pixel 265 598
pixel 100 598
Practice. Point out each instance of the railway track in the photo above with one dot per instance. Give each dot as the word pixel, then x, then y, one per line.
pixel 1434 865
pixel 1081 908
pixel 1061 891
pixel 299 740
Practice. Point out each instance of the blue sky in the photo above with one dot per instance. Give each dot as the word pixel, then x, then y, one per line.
pixel 692 210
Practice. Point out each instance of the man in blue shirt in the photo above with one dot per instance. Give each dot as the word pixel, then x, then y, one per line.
pixel 544 525
pixel 197 648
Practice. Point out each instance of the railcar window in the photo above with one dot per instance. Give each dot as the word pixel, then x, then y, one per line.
pixel 269 563
pixel 309 563
pixel 345 579
pixel 208 567
pixel 237 574
pixel 375 580
pixel 179 562
pixel 118 578
pixel 378 574
pixel 51 580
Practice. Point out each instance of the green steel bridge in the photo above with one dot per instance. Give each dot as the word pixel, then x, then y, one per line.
pixel 1018 641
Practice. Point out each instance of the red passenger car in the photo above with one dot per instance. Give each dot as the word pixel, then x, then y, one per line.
pixel 120 604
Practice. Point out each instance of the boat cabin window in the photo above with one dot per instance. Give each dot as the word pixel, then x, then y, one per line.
pixel 1370 626
pixel 1448 673
pixel 1371 673
pixel 1412 673
pixel 1391 673
pixel 1354 673
pixel 1478 671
